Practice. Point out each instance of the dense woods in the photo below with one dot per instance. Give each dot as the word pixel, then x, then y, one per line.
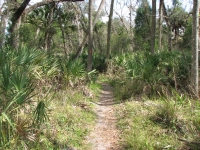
pixel 54 53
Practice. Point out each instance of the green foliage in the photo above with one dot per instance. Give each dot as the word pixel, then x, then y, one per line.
pixel 40 114
pixel 153 74
pixel 187 42
pixel 99 63
pixel 158 124
pixel 121 41
pixel 16 90
pixel 28 81
pixel 166 114
pixel 142 27
pixel 70 120
pixel 18 69
pixel 25 33
pixel 75 70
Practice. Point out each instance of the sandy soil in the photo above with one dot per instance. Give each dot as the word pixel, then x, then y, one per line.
pixel 105 135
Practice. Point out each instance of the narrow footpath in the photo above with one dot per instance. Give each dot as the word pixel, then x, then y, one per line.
pixel 105 135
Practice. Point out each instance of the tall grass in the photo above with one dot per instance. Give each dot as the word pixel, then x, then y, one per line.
pixel 159 124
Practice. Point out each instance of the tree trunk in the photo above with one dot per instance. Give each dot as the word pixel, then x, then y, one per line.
pixel 153 28
pixel 131 26
pixel 14 35
pixel 169 38
pixel 99 44
pixel 37 33
pixel 80 49
pixel 15 23
pixel 160 25
pixel 78 28
pixel 90 40
pixel 168 26
pixel 195 34
pixel 2 29
pixel 63 36
pixel 48 34
pixel 109 29
pixel 62 32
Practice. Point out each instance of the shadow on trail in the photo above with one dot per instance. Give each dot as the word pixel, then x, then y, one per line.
pixel 106 98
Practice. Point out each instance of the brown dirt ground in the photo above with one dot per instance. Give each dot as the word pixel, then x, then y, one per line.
pixel 105 135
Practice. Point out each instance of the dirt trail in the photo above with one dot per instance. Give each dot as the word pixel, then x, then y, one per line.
pixel 105 136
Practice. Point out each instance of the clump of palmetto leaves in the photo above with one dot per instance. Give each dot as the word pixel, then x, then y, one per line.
pixel 20 113
pixel 148 74
pixel 28 80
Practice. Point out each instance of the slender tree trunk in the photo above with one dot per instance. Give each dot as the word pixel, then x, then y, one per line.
pixel 99 43
pixel 2 29
pixel 63 35
pixel 48 36
pixel 80 49
pixel 99 12
pixel 90 40
pixel 70 42
pixel 169 38
pixel 122 20
pixel 15 34
pixel 37 33
pixel 195 35
pixel 153 28
pixel 160 25
pixel 168 26
pixel 109 29
pixel 46 40
pixel 131 28
pixel 15 23
pixel 130 9
pixel 78 29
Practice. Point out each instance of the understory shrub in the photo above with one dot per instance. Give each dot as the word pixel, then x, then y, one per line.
pixel 158 73
pixel 29 81
pixel 20 112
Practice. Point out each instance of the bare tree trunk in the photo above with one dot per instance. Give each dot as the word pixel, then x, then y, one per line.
pixel 131 28
pixel 195 34
pixel 80 49
pixel 109 29
pixel 37 33
pixel 2 29
pixel 15 23
pixel 122 21
pixel 168 26
pixel 70 42
pixel 153 28
pixel 15 34
pixel 46 40
pixel 169 38
pixel 130 9
pixel 63 36
pixel 90 40
pixel 160 25
pixel 48 36
pixel 78 28
pixel 99 43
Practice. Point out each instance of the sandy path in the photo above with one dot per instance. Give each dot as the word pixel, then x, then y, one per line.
pixel 105 135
